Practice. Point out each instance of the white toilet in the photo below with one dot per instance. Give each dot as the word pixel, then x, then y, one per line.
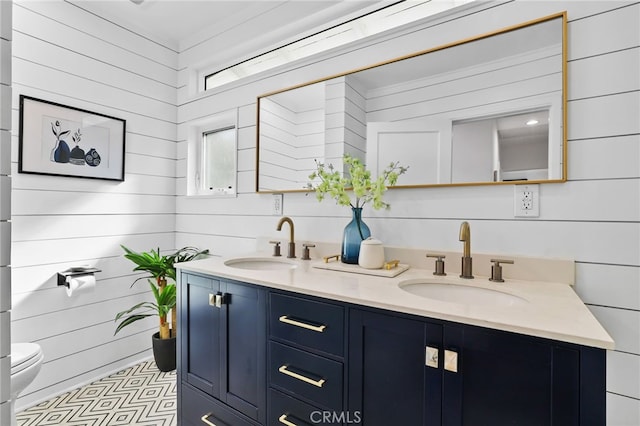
pixel 26 360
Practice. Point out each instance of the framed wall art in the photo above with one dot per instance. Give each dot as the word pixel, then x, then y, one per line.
pixel 60 140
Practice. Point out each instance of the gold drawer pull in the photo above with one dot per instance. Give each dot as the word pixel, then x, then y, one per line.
pixel 285 319
pixel 318 383
pixel 205 421
pixel 391 264
pixel 328 258
pixel 283 419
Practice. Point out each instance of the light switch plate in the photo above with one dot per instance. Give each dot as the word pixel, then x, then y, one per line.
pixel 526 200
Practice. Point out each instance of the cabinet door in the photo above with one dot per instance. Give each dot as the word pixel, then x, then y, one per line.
pixel 200 334
pixel 388 381
pixel 502 378
pixel 509 379
pixel 243 323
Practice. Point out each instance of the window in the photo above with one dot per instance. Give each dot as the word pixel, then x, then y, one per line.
pixel 218 168
pixel 385 18
pixel 212 155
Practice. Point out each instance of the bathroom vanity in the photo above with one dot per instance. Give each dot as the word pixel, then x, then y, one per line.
pixel 284 343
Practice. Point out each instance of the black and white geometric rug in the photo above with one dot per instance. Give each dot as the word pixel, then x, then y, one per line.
pixel 140 395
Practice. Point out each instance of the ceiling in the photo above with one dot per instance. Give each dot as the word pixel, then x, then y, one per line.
pixel 180 24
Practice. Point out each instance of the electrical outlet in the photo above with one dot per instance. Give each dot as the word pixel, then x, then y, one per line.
pixel 526 201
pixel 276 209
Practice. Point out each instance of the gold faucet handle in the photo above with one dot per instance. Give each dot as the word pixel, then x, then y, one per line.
pixel 496 269
pixel 499 261
pixel 439 263
pixel 305 251
pixel 439 256
pixel 276 247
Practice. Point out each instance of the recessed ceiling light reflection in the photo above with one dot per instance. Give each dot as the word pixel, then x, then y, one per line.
pixel 532 122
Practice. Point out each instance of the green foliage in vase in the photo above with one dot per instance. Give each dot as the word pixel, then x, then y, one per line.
pixel 334 184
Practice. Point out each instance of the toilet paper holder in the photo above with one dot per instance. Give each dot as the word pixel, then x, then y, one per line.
pixel 63 277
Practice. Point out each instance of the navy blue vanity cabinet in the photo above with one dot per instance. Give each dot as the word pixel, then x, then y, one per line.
pixel 305 366
pixel 252 356
pixel 415 371
pixel 222 355
pixel 508 378
pixel 388 381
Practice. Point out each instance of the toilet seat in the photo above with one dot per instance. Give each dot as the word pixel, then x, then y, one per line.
pixel 24 355
pixel 26 361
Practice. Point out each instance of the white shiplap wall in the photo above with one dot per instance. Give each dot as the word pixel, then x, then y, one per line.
pixel 593 218
pixel 63 54
pixel 345 129
pixel 292 139
pixel 5 209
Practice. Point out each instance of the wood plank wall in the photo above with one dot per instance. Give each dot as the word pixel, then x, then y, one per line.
pixel 291 140
pixel 593 218
pixel 64 54
pixel 5 210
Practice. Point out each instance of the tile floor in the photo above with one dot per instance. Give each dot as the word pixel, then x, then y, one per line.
pixel 140 395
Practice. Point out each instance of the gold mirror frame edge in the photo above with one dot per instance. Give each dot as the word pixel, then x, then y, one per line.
pixel 562 15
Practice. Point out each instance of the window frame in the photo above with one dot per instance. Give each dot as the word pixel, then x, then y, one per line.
pixel 196 153
pixel 204 157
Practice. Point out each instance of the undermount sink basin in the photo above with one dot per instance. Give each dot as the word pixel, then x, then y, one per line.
pixel 260 263
pixel 463 294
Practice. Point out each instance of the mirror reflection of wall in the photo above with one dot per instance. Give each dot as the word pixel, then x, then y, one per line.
pixel 292 135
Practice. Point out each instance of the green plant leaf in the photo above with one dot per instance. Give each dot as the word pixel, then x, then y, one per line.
pixel 357 179
pixel 157 266
pixel 130 320
pixel 128 311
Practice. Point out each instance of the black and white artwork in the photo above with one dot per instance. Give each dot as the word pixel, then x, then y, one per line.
pixel 60 140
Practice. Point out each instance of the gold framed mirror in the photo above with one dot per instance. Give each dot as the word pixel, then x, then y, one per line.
pixel 490 109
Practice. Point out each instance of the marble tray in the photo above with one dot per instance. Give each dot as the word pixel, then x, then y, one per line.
pixel 345 267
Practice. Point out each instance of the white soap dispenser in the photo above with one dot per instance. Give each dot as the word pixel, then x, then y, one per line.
pixel 371 254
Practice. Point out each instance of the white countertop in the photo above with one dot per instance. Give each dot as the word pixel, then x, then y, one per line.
pixel 553 311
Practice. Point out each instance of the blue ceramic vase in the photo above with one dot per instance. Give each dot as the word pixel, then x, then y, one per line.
pixel 354 233
pixel 61 153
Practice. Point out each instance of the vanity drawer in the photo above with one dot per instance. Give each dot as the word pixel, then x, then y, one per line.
pixel 286 410
pixel 317 379
pixel 200 410
pixel 309 323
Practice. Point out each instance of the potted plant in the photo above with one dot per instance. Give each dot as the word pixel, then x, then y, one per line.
pixel 333 183
pixel 161 269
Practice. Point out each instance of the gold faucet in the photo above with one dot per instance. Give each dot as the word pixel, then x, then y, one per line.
pixel 465 236
pixel 292 244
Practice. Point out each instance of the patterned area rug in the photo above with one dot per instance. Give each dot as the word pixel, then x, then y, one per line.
pixel 140 395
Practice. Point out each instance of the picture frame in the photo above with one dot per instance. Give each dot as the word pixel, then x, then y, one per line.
pixel 60 140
